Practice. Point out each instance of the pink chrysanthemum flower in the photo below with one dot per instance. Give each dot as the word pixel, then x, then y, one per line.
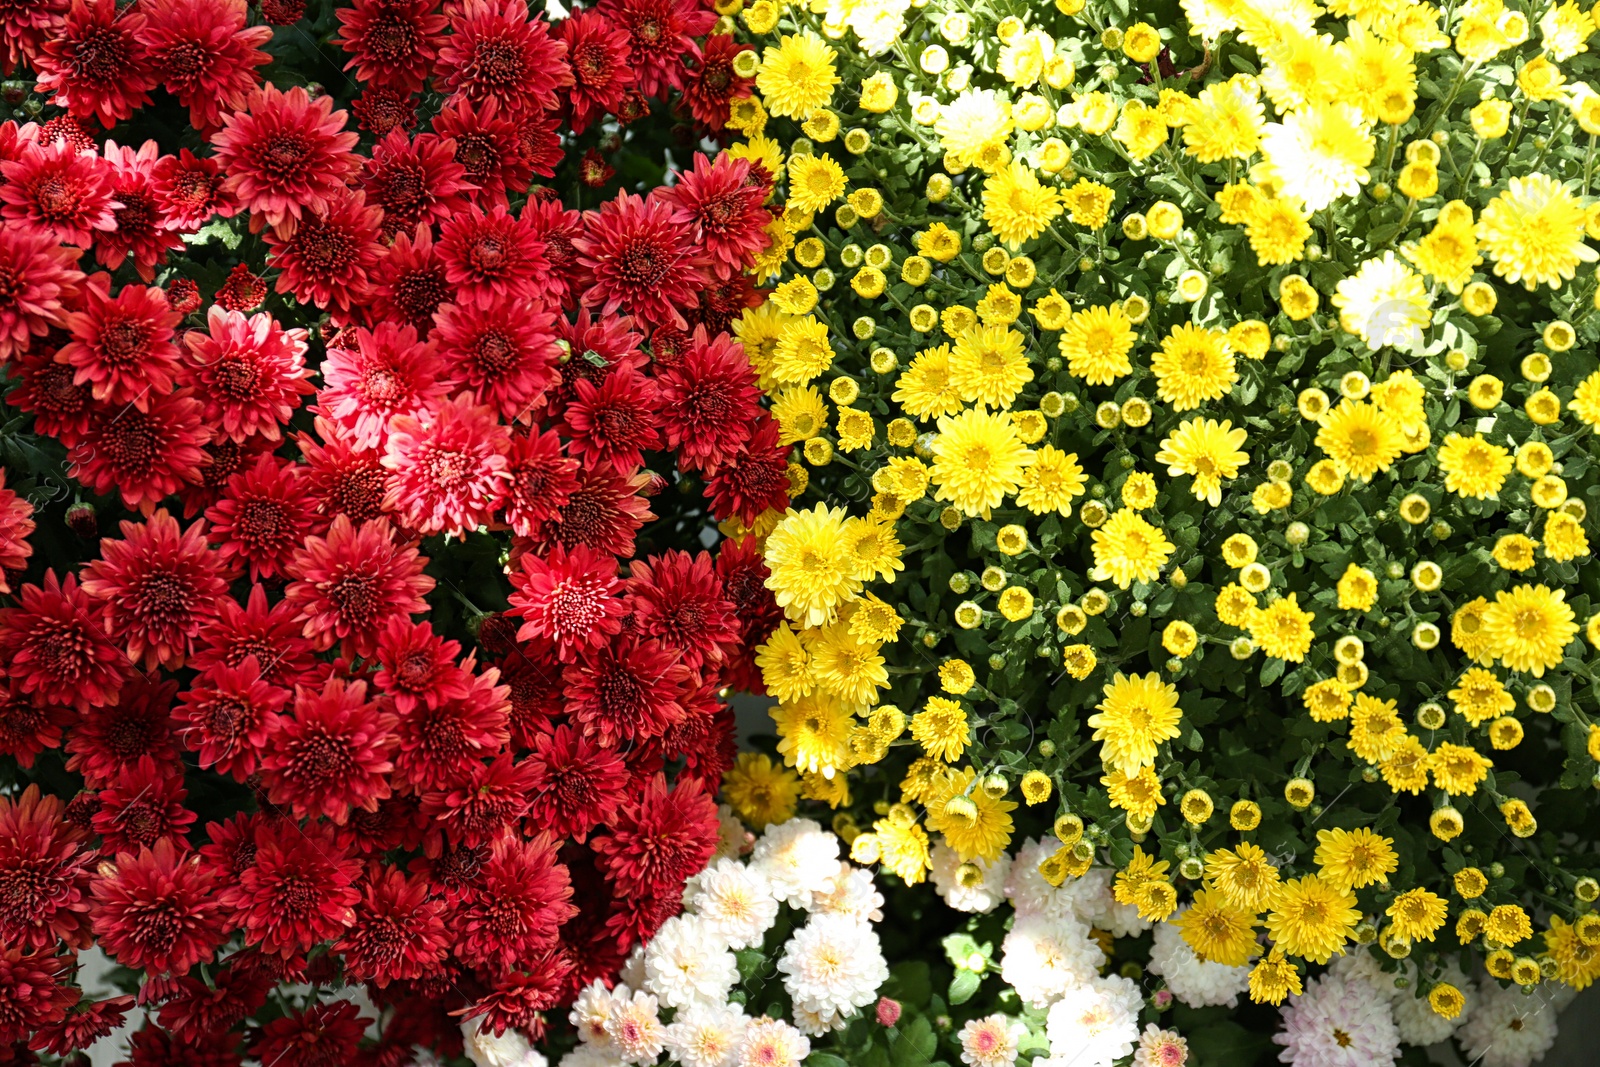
pixel 557 226
pixel 141 230
pixel 598 51
pixel 448 469
pixel 417 667
pixel 350 582
pixel 325 261
pixel 95 65
pixel 569 598
pixel 262 517
pixel 504 353
pixel 392 43
pixel 415 181
pixel 123 347
pixel 641 260
pixel 332 754
pixel 16 525
pixel 492 256
pixel 286 155
pixel 248 373
pixel 38 277
pixel 205 54
pixel 59 191
pixel 386 375
pixel 145 456
pixel 495 51
pixel 159 586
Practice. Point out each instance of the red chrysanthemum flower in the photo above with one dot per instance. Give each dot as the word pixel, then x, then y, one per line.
pixel 604 511
pixel 343 478
pixel 16 525
pixel 33 992
pixel 711 85
pixel 142 805
pixel 492 257
pixel 59 191
pixel 155 911
pixel 299 889
pixel 677 599
pixel 380 110
pixel 706 740
pixel 60 408
pixel 504 352
pixel 110 739
pixel 190 189
pixel 83 1026
pixel 598 52
pixel 496 51
pixel 392 43
pixel 286 155
pixel 248 373
pixel 38 277
pixel 385 375
pixel 332 754
pixel 447 468
pixel 95 65
pixel 415 181
pixel 615 422
pixel 635 917
pixel 325 261
pixel 409 282
pixel 195 1010
pixel 352 581
pixel 660 839
pixel 224 716
pixel 145 456
pixel 724 301
pixel 486 800
pixel 44 874
pixel 183 295
pixel 660 34
pixel 515 906
pixel 205 54
pixel 556 226
pixel 625 691
pixel 539 133
pixel 55 650
pixel 283 12
pixel 242 290
pixel 122 347
pixel 440 742
pixel 709 403
pixel 66 129
pixel 154 1047
pixel 323 1035
pixel 417 667
pixel 159 587
pixel 593 170
pixel 263 517
pixel 271 635
pixel 27 729
pixel 221 461
pixel 542 479
pixel 570 598
pixel 397 823
pixel 723 209
pixel 640 260
pixel 577 785
pixel 25 25
pixel 399 932
pixel 754 479
pixel 141 230
pixel 520 999
pixel 489 145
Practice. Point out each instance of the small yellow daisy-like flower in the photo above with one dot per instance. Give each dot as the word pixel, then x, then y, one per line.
pixel 1128 549
pixel 1223 122
pixel 1050 482
pixel 1088 203
pixel 1194 364
pixel 803 351
pixel 1096 342
pixel 801 414
pixel 1035 786
pixel 1179 638
pixel 989 366
pixel 902 846
pixel 814 182
pixel 975 824
pixel 1508 924
pixel 941 729
pixel 1458 769
pixel 1361 438
pixel 1351 859
pixel 1312 918
pixel 785 663
pixel 1016 206
pixel 1533 232
pixel 813 569
pixel 925 389
pixel 1473 467
pixel 1417 914
pixel 1015 603
pixel 1273 979
pixel 1137 714
pixel 1139 491
pixel 814 734
pixel 797 76
pixel 1079 661
pixel 1217 931
pixel 1543 407
pixel 1480 696
pixel 1282 629
pixel 1515 552
pixel 759 791
pixel 1244 816
pixel 1244 875
pixel 978 460
pixel 1529 627
pixel 1137 794
pixel 1327 701
pixel 1357 588
pixel 1234 604
pixel 1208 451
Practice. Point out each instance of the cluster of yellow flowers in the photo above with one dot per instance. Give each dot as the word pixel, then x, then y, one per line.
pixel 1196 414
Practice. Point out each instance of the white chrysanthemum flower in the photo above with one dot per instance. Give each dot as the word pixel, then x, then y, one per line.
pixel 1508 1029
pixel 877 23
pixel 1160 1048
pixel 1384 303
pixel 983 897
pixel 990 1041
pixel 590 1056
pixel 1094 904
pixel 487 1049
pixel 635 1029
pixel 833 964
pixel 1095 1021
pixel 816 1024
pixel 1360 965
pixel 633 973
pixel 798 858
pixel 735 903
pixel 592 1009
pixel 1319 153
pixel 1042 958
pixel 773 1043
pixel 733 839
pixel 850 892
pixel 685 963
pixel 1336 1023
pixel 1196 982
pixel 1027 889
pixel 707 1035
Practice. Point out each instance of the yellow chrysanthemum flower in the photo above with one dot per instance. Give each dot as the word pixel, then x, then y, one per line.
pixel 1016 207
pixel 1128 549
pixel 846 667
pixel 1351 859
pixel 1319 153
pixel 1050 482
pixel 1417 914
pixel 1360 438
pixel 1282 629
pixel 978 460
pixel 1096 343
pixel 1244 875
pixel 785 663
pixel 1312 918
pixel 975 824
pixel 1533 232
pixel 1208 451
pixel 813 570
pixel 1529 627
pixel 797 76
pixel 1195 364
pixel 941 729
pixel 759 791
pixel 1224 122
pixel 1137 714
pixel 989 366
pixel 814 734
pixel 1217 931
pixel 1458 769
pixel 1137 794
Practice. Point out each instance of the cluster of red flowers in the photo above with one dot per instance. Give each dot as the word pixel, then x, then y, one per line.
pixel 473 833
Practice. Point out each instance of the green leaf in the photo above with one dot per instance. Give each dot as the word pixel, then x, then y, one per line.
pixel 963 986
pixel 825 1059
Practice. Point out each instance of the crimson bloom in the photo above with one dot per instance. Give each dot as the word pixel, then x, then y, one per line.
pixel 416 181
pixel 542 478
pixel 55 650
pixel 557 226
pixel 82 1026
pixel 343 478
pixel 603 511
pixel 205 54
pixel 141 806
pixel 332 754
pixel 660 839
pixel 145 456
pixel 625 691
pixel 248 373
pixel 440 741
pixel 483 801
pixel 285 154
pixel 352 581
pixel 392 43
pixel 141 230
pixel 722 206
pixel 503 351
pixel 490 256
pixel 640 259
pixel 496 51
pixel 270 635
pixel 26 729
pixel 111 738
pixel 447 469
pixel 59 191
pixel 326 259
pixel 46 869
pixel 33 992
pixel 224 715
pixel 16 525
pixel 568 597
pixel 95 65
pixel 189 189
pixel 409 282
pixel 385 374
pixel 24 29
pixel 41 278
pixel 262 517
pixel 660 34
pixel 520 998
pixel 577 785
pixel 159 586
pixel 297 890
pixel 615 422
pixel 417 666
pixel 712 84
pixel 709 403
pixel 515 905
pixel 194 1010
pixel 122 346
pixel 754 479
pixel 323 1035
pixel 677 599
pixel 598 52
pixel 489 145
pixel 154 911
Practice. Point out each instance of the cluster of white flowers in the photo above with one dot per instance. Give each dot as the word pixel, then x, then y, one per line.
pixel 832 964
